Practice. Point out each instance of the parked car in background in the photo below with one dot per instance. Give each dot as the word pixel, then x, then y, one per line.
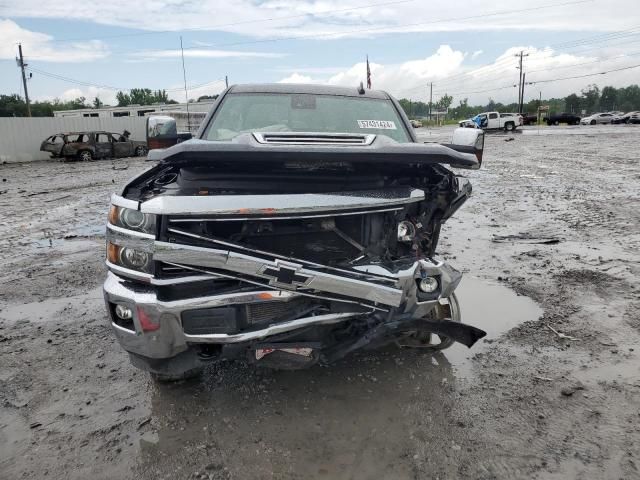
pixel 529 118
pixel 87 146
pixel 624 118
pixel 494 121
pixel 598 119
pixel 634 118
pixel 568 118
pixel 416 123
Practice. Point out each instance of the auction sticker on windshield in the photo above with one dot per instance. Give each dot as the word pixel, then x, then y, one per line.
pixel 380 124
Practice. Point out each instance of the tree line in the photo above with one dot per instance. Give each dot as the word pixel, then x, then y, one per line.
pixel 590 99
pixel 15 106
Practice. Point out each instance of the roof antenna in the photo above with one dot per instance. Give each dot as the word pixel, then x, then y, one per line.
pixel 361 89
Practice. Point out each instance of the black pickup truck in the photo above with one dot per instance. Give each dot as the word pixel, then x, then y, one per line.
pixel 568 118
pixel 299 225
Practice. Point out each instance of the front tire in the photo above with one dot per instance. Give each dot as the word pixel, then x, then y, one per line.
pixel 85 156
pixel 141 151
pixel 593 122
pixel 424 342
pixel 510 127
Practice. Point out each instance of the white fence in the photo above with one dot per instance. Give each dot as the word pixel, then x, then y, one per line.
pixel 20 138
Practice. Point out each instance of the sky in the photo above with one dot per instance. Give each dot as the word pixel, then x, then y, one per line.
pixel 465 48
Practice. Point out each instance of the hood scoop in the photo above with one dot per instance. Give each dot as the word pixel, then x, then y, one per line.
pixel 299 138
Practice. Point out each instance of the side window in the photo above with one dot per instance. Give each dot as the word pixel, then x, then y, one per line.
pixel 103 138
pixel 57 139
pixel 493 115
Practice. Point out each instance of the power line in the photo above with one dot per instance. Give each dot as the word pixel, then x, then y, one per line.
pixel 584 76
pixel 373 29
pixel 545 81
pixel 109 87
pixel 498 67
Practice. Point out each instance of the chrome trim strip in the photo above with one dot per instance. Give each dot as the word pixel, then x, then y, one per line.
pixel 143 277
pixel 253 266
pixel 132 233
pixel 122 329
pixel 244 219
pixel 304 294
pixel 124 202
pixel 314 138
pixel 179 280
pixel 375 276
pixel 273 329
pixel 279 204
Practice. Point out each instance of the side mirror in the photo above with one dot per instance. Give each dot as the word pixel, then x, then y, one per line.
pixel 162 132
pixel 468 140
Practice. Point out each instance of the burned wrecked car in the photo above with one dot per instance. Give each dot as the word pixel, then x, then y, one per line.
pixel 300 225
pixel 87 146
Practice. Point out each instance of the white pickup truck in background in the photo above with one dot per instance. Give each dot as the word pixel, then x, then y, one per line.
pixel 494 121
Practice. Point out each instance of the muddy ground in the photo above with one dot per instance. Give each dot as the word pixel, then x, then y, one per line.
pixel 550 239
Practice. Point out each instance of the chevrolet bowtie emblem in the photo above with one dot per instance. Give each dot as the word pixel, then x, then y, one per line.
pixel 285 276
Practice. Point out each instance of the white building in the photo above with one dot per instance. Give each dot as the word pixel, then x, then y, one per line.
pixel 136 110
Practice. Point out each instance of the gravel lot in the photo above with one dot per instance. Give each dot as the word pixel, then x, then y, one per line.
pixel 550 240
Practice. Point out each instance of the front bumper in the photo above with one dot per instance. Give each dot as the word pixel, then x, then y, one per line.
pixel 399 296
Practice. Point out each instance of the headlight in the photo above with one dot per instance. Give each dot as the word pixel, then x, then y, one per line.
pixel 428 284
pixel 406 231
pixel 132 219
pixel 129 258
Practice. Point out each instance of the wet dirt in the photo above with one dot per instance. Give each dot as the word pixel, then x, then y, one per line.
pixel 72 407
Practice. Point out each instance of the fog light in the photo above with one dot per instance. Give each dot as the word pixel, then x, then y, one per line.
pixel 428 284
pixel 123 313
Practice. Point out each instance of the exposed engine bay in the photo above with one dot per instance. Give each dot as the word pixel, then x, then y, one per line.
pixel 287 249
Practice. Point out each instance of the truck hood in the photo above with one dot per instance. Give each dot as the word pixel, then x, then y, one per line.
pixel 314 148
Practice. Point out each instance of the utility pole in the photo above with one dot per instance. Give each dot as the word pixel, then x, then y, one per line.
pixel 522 93
pixel 520 89
pixel 21 64
pixel 430 98
pixel 226 81
pixel 186 95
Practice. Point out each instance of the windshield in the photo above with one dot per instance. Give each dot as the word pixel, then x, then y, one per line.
pixel 242 113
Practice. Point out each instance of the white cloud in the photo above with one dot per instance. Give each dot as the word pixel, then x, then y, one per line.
pixel 388 77
pixel 202 53
pixel 297 78
pixel 450 75
pixel 39 46
pixel 342 17
pixel 476 54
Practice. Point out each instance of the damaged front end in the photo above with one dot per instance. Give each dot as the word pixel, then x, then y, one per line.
pixel 285 252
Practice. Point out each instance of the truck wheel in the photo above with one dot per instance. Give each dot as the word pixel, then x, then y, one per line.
pixel 509 126
pixel 141 151
pixel 85 156
pixel 556 123
pixel 424 342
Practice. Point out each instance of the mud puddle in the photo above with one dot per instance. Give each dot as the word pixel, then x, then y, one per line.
pixel 492 307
